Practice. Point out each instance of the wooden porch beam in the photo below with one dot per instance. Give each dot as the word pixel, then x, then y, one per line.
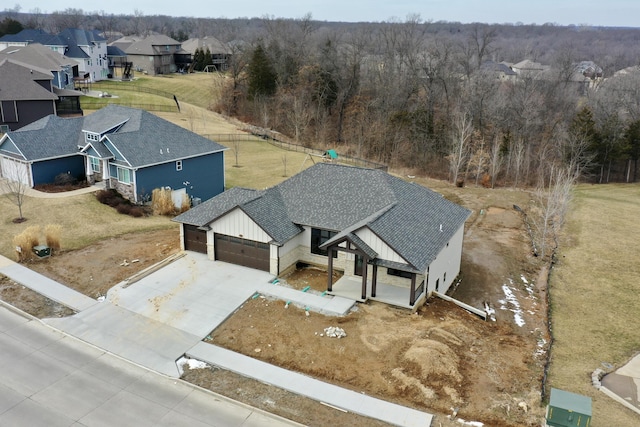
pixel 374 280
pixel 412 297
pixel 365 260
pixel 329 280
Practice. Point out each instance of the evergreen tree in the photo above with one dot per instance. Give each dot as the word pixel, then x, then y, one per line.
pixel 207 59
pixel 10 26
pixel 262 77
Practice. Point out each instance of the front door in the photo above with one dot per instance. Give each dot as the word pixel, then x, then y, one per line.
pixel 357 268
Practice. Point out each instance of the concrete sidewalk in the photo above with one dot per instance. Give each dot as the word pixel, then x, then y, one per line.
pixel 623 385
pixel 166 314
pixel 294 382
pixel 30 192
pixel 45 286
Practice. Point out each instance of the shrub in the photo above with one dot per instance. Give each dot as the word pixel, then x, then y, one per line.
pixel 161 202
pixel 52 233
pixel 123 208
pixel 137 212
pixel 25 241
pixel 104 196
pixel 64 179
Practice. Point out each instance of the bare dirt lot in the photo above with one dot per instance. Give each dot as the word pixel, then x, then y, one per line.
pixel 440 358
pixel 436 360
pixel 96 268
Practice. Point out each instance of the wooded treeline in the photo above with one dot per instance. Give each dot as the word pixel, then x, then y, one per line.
pixel 419 94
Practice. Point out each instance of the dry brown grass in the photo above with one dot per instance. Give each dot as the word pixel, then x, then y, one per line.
pixel 84 221
pixel 25 242
pixel 161 202
pixel 594 295
pixel 52 235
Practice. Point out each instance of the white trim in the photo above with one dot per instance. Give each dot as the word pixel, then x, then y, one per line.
pixel 116 148
pixel 3 140
pixel 181 158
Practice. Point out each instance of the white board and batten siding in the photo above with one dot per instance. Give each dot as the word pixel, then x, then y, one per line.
pixel 238 224
pixel 446 266
pixel 383 250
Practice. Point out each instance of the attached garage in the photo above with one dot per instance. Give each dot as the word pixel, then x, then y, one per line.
pixel 195 239
pixel 243 252
pixel 15 170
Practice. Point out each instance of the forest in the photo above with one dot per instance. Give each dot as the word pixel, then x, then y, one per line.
pixel 450 100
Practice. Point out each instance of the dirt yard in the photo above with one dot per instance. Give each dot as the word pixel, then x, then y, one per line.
pixel 438 360
pixel 96 268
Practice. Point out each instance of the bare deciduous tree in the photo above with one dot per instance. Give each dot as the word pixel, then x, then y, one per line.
pixel 551 206
pixel 459 152
pixel 15 186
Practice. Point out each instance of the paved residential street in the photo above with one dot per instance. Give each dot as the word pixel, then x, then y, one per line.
pixel 48 378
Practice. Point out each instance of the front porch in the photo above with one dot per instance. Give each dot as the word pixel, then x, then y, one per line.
pixel 351 287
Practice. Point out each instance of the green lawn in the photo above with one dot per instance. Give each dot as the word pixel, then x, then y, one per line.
pixel 594 293
pixel 197 89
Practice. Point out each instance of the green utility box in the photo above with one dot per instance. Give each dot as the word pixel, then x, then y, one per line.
pixel 568 409
pixel 42 251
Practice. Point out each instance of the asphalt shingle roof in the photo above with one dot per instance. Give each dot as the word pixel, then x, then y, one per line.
pixel 217 206
pixel 415 221
pixel 47 138
pixel 142 138
pixel 18 81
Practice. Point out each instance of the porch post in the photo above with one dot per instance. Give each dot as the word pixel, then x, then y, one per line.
pixel 330 277
pixel 412 297
pixel 364 277
pixel 374 280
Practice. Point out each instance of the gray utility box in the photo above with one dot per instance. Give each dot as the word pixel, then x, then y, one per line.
pixel 42 251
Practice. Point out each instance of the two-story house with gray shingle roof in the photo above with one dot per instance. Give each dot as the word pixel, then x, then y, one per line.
pixel 132 150
pixel 155 54
pixel 35 55
pixel 89 50
pixel 395 241
pixel 26 93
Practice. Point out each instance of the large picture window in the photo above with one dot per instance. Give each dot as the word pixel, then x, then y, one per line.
pixel 318 237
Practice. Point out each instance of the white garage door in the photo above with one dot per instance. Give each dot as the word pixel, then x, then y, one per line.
pixel 14 170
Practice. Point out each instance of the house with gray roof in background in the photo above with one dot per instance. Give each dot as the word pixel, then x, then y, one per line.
pixel 155 54
pixel 395 241
pixel 132 150
pixel 87 48
pixel 220 52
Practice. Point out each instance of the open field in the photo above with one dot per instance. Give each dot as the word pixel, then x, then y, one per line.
pixel 594 295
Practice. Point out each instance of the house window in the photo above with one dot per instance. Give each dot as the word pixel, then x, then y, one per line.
pixel 93 137
pixel 124 176
pixel 178 165
pixel 398 273
pixel 95 164
pixel 318 237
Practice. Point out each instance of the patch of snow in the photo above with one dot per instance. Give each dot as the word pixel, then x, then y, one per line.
pixel 470 423
pixel 524 279
pixel 192 363
pixel 512 301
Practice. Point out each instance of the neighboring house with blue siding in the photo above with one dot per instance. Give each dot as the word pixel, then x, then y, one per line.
pixel 132 150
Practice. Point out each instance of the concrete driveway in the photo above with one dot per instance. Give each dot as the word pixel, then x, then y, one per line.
pixel 155 320
pixel 192 294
